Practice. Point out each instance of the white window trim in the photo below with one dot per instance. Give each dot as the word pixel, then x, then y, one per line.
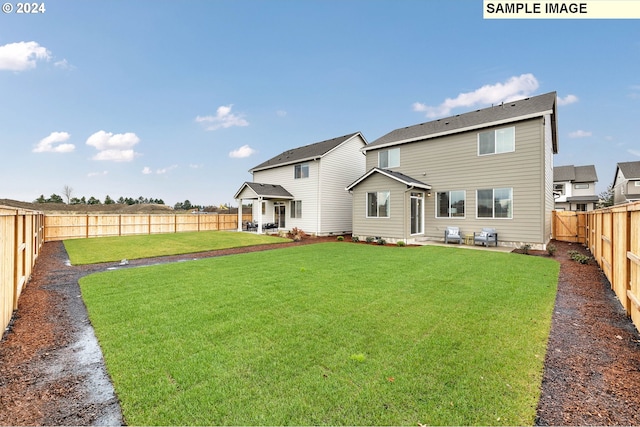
pixel 494 197
pixel 366 205
pixel 494 142
pixel 301 165
pixel 581 186
pixel 387 151
pixel 293 205
pixel 449 208
pixel 422 197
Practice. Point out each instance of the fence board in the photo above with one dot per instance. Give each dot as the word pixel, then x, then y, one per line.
pixel 613 237
pixel 21 238
pixel 62 227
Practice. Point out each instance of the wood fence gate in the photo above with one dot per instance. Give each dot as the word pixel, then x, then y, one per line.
pixel 570 226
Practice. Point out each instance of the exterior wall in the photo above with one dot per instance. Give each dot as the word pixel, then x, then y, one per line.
pixel 339 168
pixel 547 183
pixel 452 163
pixel 619 188
pixel 304 189
pixel 391 228
pixel 591 191
pixel 633 189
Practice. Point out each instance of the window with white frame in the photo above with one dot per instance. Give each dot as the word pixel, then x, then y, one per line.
pixel 495 203
pixel 389 158
pixel 497 141
pixel 558 188
pixel 296 209
pixel 301 171
pixel 450 204
pixel 580 186
pixel 378 204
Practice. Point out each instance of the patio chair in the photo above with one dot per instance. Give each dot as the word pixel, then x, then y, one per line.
pixel 486 236
pixel 452 234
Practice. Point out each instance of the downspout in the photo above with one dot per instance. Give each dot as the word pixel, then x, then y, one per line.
pixel 319 197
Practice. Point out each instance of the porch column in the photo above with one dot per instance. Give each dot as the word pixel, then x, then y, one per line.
pixel 239 214
pixel 259 230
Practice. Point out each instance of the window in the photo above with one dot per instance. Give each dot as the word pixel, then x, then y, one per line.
pixel 389 158
pixel 581 186
pixel 495 203
pixel 301 171
pixel 497 141
pixel 581 207
pixel 450 204
pixel 636 183
pixel 558 188
pixel 378 204
pixel 296 209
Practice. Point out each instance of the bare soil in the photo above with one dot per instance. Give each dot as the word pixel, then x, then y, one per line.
pixel 52 371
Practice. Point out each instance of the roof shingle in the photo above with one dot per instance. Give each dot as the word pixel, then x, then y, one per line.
pixel 506 112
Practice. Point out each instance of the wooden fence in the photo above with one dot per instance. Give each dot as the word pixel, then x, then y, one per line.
pixel 21 238
pixel 570 226
pixel 613 237
pixel 61 227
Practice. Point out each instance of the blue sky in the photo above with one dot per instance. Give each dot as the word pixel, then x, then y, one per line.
pixel 179 99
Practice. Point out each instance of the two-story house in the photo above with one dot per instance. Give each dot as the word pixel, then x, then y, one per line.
pixel 492 167
pixel 626 184
pixel 304 187
pixel 574 188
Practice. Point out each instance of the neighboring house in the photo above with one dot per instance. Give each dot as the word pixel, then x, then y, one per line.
pixel 574 188
pixel 626 184
pixel 492 167
pixel 304 187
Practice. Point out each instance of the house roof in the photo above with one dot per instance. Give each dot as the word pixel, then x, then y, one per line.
pixel 593 198
pixel 506 112
pixel 405 179
pixel 266 191
pixel 630 170
pixel 307 152
pixel 573 173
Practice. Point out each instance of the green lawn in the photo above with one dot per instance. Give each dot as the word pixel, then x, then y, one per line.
pixel 106 249
pixel 328 334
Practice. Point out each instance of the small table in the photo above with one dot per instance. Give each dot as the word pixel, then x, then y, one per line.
pixel 468 239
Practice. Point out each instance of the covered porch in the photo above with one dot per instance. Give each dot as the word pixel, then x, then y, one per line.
pixel 261 195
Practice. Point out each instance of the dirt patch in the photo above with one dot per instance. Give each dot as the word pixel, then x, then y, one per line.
pixel 52 371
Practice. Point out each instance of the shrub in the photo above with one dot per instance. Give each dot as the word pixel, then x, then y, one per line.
pixel 297 234
pixel 578 257
pixel 400 243
pixel 381 241
pixel 355 239
pixel 552 249
pixel 525 248
pixel 340 238
pixel 370 239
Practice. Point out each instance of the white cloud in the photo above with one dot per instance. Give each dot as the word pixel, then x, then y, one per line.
pixel 194 166
pixel 64 65
pixel 569 99
pixel 116 148
pixel 223 119
pixel 92 174
pixel 580 134
pixel 281 113
pixel 515 88
pixel 148 171
pixel 634 152
pixel 22 56
pixel 165 170
pixel 242 152
pixel 48 144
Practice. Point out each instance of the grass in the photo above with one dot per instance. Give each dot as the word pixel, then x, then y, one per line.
pixel 328 334
pixel 106 249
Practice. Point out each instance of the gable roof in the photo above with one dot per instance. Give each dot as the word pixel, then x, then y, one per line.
pixel 267 191
pixel 405 179
pixel 506 112
pixel 307 152
pixel 575 173
pixel 630 170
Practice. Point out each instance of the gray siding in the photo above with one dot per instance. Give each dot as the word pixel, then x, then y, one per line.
pixel 389 228
pixel 452 163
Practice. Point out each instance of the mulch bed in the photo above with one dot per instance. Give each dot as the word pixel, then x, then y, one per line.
pixel 591 376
